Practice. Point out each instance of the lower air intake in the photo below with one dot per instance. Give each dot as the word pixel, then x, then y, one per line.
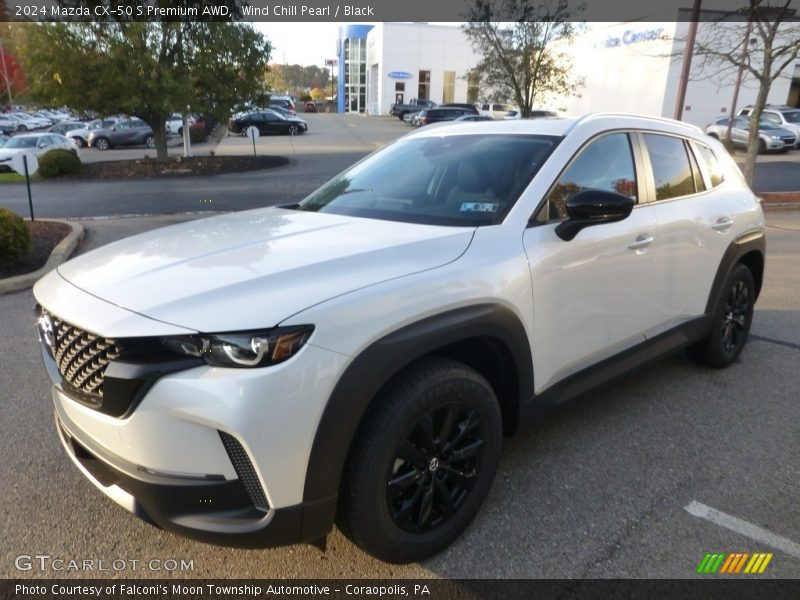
pixel 245 471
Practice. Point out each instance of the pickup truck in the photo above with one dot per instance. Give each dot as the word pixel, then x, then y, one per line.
pixel 414 105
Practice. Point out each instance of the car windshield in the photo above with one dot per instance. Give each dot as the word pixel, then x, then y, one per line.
pixel 768 123
pixel 22 142
pixel 458 180
pixel 792 116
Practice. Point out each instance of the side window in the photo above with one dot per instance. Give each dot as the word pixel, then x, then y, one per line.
pixel 741 123
pixel 605 164
pixel 672 172
pixel 713 168
pixel 745 111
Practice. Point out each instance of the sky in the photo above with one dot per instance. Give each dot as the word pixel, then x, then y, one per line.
pixel 304 43
pixel 301 43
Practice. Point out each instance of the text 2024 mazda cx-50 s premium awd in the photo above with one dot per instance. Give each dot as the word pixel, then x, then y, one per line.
pixel 250 378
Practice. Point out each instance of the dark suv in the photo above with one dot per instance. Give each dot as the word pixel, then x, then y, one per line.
pixel 439 114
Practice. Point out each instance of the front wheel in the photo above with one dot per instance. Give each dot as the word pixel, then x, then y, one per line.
pixel 731 321
pixel 294 130
pixel 762 146
pixel 102 144
pixel 423 462
pixel 22 128
pixel 150 141
pixel 81 143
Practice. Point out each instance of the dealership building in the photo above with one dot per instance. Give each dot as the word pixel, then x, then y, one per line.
pixel 625 67
pixel 394 62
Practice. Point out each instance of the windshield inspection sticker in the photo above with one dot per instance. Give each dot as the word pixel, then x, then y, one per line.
pixel 479 206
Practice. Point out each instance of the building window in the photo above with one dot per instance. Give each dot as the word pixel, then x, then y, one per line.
pixel 355 75
pixel 424 85
pixel 449 87
pixel 399 86
pixel 472 88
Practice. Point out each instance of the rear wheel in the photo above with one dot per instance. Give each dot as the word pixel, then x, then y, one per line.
pixel 423 462
pixel 732 317
pixel 21 127
pixel 80 141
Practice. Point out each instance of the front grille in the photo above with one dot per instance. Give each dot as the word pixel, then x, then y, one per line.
pixel 82 358
pixel 245 471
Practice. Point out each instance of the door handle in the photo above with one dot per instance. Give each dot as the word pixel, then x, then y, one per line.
pixel 641 241
pixel 722 224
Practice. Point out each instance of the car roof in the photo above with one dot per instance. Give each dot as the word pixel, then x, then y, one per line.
pixel 589 124
pixel 37 134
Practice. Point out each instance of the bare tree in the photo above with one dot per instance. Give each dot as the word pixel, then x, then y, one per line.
pixel 520 43
pixel 725 47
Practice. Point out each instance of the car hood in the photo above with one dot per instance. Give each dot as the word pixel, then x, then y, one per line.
pixel 777 131
pixel 256 268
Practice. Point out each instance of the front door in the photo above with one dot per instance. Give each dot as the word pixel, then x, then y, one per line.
pixel 593 295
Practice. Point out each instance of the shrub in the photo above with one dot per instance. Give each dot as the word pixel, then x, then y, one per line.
pixel 59 162
pixel 197 132
pixel 15 238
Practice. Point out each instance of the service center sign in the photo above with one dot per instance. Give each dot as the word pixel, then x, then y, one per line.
pixel 400 75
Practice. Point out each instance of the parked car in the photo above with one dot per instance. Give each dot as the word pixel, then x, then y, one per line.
pixel 127 132
pixel 81 134
pixel 310 107
pixel 64 127
pixel 36 143
pixel 174 125
pixel 268 122
pixel 284 103
pixel 26 122
pixel 473 118
pixel 359 355
pixel 437 115
pixel 771 137
pixel 468 108
pixel 500 111
pixel 8 125
pixel 414 105
pixel 543 114
pixel 785 117
pixel 3 140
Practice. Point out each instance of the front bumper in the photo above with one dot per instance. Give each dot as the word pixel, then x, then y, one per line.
pixel 213 510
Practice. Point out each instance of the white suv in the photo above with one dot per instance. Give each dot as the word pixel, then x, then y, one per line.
pixel 246 378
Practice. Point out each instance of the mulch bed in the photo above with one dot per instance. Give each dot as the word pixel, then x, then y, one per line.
pixel 45 236
pixel 150 168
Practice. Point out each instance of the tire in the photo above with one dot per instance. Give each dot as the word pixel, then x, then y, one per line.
pixel 402 115
pixel 294 130
pixel 150 141
pixel 762 147
pixel 22 128
pixel 102 144
pixel 731 320
pixel 393 498
pixel 80 141
pixel 180 131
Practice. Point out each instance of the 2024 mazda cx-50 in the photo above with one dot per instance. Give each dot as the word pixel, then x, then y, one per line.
pixel 250 378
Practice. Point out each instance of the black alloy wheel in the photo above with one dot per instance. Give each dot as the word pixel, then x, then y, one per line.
pixel 435 468
pixel 735 318
pixel 422 463
pixel 731 320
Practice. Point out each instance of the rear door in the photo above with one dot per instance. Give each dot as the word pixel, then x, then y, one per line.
pixel 695 219
pixel 593 295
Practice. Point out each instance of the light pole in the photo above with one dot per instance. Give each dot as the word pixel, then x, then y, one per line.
pixel 687 61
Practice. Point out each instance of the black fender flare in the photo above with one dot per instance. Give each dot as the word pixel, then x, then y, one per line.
pixel 737 249
pixel 371 370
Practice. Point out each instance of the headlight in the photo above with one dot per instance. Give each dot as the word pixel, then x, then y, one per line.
pixel 242 348
pixel 775 137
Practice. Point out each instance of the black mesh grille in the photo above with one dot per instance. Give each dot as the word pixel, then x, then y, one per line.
pixel 82 357
pixel 245 471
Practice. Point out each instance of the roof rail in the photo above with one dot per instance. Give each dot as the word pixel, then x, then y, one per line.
pixel 589 116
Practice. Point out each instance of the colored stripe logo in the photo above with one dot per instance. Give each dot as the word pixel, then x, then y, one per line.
pixel 735 563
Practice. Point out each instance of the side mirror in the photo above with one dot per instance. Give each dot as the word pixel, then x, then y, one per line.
pixel 593 207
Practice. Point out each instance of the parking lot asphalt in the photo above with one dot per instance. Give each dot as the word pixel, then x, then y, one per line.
pixel 333 143
pixel 599 490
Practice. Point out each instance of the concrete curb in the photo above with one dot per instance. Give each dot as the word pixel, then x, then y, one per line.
pixel 59 254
